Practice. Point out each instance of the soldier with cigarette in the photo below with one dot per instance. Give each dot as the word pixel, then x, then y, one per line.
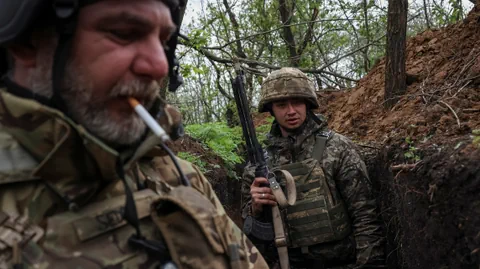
pixel 86 180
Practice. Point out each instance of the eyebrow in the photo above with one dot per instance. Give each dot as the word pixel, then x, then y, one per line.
pixel 125 17
pixel 132 19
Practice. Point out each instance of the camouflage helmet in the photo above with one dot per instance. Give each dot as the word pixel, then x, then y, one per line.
pixel 286 83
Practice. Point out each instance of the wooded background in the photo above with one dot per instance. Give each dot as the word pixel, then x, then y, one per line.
pixel 335 42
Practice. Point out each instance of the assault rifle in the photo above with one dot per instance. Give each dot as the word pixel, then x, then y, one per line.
pixel 252 227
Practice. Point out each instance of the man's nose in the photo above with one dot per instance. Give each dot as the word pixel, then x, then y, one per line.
pixel 290 109
pixel 151 60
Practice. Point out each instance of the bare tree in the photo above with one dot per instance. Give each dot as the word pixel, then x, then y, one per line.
pixel 425 11
pixel 366 60
pixel 395 77
pixel 286 15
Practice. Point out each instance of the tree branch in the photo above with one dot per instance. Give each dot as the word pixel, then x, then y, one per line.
pixel 270 31
pixel 341 86
pixel 215 58
pixel 233 20
pixel 352 52
pixel 219 85
pixel 309 34
pixel 286 17
pixel 342 7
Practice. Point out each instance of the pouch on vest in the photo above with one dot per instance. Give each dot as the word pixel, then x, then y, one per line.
pixel 96 236
pixel 195 233
pixel 314 218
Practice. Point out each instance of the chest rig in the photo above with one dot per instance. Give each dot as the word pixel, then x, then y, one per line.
pixel 315 218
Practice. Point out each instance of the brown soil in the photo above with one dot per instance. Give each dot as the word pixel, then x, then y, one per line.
pixel 443 69
pixel 430 206
pixel 431 211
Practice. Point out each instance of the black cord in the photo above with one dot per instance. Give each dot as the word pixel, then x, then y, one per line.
pixel 183 179
pixel 130 214
pixel 140 185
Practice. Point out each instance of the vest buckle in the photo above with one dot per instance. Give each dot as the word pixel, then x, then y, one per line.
pixel 280 241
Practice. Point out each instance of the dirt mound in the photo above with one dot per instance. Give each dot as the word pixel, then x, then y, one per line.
pixel 431 210
pixel 420 154
pixel 439 211
pixel 214 168
pixel 443 95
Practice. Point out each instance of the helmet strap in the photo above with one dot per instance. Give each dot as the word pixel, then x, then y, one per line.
pixel 66 12
pixel 314 117
pixel 175 79
pixel 22 92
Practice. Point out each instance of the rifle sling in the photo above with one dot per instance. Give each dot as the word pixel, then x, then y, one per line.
pixel 280 238
pixel 278 226
pixel 290 187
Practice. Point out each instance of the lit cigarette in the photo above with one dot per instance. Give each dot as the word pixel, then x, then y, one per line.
pixel 148 119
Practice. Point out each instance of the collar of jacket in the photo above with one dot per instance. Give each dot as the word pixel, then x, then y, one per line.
pixel 70 159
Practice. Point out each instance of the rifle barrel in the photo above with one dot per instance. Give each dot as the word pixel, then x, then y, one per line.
pixel 237 85
pixel 254 149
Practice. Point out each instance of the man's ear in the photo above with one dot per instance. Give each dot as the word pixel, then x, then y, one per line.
pixel 24 54
pixel 268 107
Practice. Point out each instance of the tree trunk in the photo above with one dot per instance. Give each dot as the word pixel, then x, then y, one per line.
pixel 366 60
pixel 425 10
pixel 395 77
pixel 286 16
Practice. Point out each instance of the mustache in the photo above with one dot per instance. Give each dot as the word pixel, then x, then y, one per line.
pixel 139 89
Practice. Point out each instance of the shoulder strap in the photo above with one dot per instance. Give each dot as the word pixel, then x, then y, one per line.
pixel 320 144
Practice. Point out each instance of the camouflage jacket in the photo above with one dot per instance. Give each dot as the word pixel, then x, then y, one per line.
pixel 344 170
pixel 60 191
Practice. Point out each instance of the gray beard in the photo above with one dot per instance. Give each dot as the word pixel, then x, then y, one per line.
pixel 83 107
pixel 95 116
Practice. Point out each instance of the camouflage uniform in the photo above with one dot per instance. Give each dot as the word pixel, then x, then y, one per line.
pixel 348 182
pixel 62 199
pixel 68 200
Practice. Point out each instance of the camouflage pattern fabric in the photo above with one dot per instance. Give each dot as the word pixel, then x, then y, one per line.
pixel 315 217
pixel 62 201
pixel 288 82
pixel 344 171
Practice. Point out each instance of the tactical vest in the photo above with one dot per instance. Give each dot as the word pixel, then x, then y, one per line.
pixel 314 218
pixel 97 236
pixel 192 229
